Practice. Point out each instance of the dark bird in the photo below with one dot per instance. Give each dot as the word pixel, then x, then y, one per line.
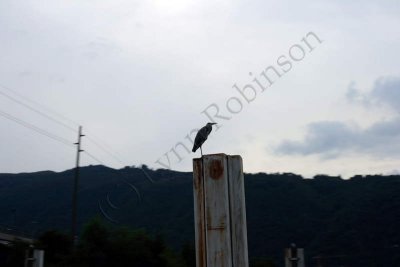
pixel 202 136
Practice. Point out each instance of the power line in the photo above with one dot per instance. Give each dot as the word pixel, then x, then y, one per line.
pixel 36 129
pixel 148 177
pixel 36 111
pixel 106 150
pixel 102 147
pixel 94 158
pixel 44 107
pixel 48 117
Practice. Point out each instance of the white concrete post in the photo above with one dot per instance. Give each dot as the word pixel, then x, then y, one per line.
pixel 220 211
pixel 294 257
pixel 38 255
pixel 34 257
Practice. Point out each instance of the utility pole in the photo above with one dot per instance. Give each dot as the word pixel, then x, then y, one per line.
pixel 75 190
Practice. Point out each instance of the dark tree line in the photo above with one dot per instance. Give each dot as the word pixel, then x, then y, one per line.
pixel 101 245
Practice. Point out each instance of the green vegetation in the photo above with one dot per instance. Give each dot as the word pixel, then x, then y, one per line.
pixel 103 245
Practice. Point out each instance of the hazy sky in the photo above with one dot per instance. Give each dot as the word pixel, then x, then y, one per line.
pixel 137 76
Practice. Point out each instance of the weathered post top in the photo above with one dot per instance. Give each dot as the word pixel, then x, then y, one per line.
pixel 216 155
pixel 220 211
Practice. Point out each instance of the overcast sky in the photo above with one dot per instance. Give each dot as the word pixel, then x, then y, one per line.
pixel 138 76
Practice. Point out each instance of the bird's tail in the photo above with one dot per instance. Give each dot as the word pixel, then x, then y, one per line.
pixel 194 149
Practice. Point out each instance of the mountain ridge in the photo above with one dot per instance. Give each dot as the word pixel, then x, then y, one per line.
pixel 326 215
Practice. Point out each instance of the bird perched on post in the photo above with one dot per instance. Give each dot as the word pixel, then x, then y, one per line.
pixel 202 136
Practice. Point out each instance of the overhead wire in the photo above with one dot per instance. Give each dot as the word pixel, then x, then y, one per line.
pixel 105 150
pixel 116 158
pixel 44 107
pixel 96 143
pixel 102 147
pixel 35 128
pixel 94 158
pixel 36 110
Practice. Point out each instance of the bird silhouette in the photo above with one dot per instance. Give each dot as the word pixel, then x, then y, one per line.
pixel 202 136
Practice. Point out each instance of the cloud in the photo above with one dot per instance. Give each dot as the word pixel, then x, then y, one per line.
pixel 385 92
pixel 329 139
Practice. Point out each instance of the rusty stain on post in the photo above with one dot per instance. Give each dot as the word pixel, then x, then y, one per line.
pixel 216 169
pixel 220 213
pixel 218 243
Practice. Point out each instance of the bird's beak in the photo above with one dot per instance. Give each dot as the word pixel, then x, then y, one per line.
pixel 213 123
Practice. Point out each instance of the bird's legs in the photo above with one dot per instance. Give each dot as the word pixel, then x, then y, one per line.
pixel 201 151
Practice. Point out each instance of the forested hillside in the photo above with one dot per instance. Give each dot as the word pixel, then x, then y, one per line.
pixel 352 221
